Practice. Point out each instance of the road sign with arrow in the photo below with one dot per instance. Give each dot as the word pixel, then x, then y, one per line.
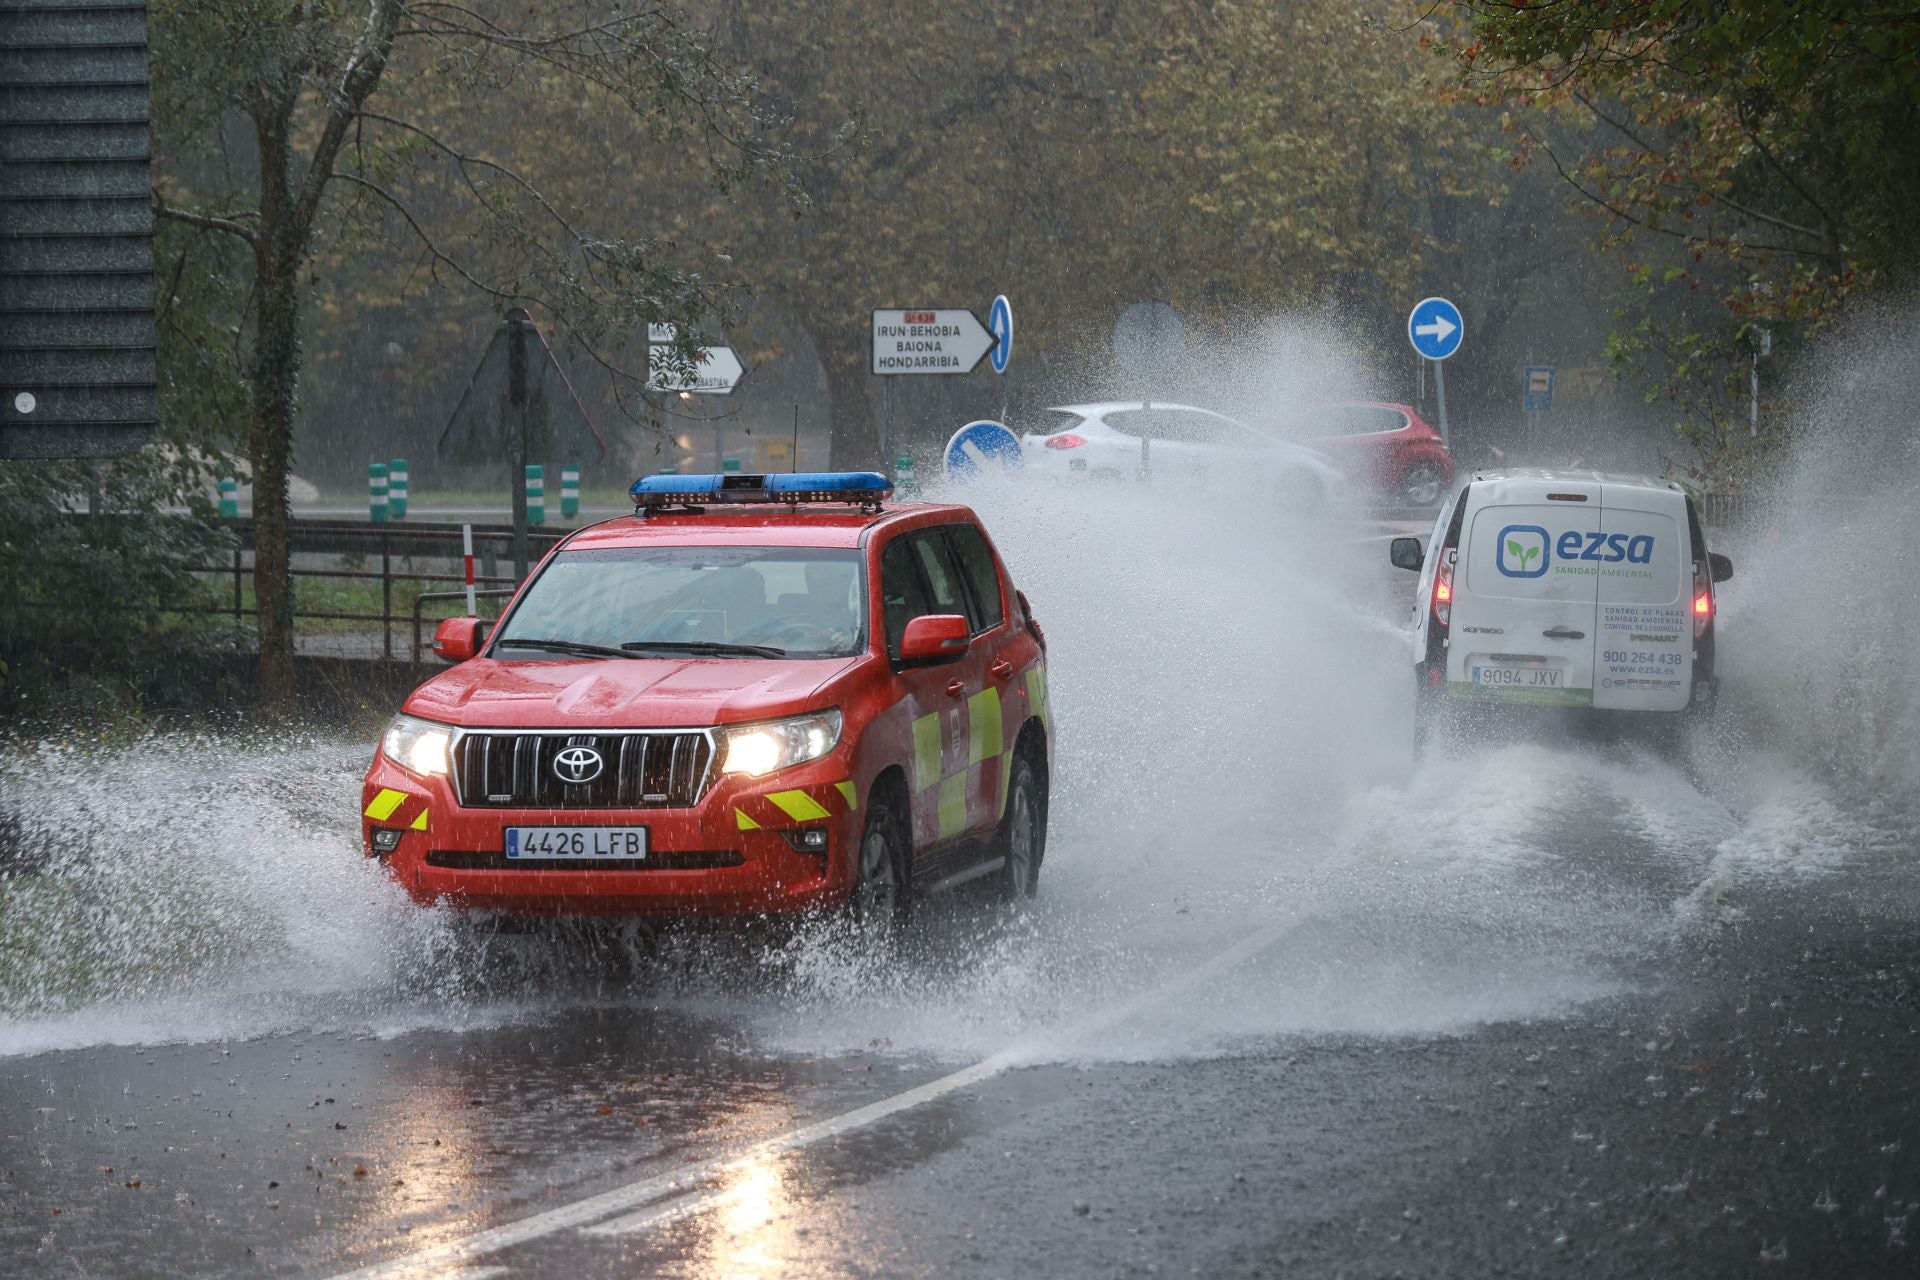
pixel 931 340
pixel 1435 328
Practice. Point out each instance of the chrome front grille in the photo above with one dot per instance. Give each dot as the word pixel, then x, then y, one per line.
pixel 503 770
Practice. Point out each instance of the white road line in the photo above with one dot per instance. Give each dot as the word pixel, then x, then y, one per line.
pixel 691 1189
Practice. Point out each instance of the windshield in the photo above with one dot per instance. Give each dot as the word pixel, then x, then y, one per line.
pixel 787 602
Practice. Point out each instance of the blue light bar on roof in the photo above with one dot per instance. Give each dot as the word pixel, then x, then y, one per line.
pixel 864 488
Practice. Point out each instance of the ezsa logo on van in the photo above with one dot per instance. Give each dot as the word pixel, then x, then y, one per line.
pixel 1521 545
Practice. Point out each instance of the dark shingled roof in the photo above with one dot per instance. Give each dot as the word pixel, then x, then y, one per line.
pixel 76 230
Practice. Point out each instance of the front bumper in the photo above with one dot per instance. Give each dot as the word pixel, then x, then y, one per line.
pixel 728 855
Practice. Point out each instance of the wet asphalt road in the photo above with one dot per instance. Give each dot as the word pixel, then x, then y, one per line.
pixel 1743 1103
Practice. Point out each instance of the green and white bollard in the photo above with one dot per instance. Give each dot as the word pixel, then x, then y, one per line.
pixel 229 498
pixel 377 492
pixel 536 493
pixel 569 491
pixel 905 482
pixel 397 488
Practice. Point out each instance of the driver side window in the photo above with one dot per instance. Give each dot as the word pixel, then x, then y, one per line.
pixel 903 595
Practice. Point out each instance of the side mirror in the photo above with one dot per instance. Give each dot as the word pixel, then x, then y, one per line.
pixel 1407 554
pixel 457 639
pixel 1721 567
pixel 935 637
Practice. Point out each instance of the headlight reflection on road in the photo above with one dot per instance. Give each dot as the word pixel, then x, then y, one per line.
pixel 751 1231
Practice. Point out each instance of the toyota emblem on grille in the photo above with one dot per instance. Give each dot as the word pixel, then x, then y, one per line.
pixel 577 765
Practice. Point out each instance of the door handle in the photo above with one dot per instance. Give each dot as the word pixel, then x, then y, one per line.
pixel 1000 670
pixel 1564 633
pixel 956 687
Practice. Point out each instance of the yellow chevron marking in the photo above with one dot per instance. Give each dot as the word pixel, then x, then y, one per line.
pixel 799 806
pixel 384 803
pixel 419 823
pixel 848 793
pixel 745 823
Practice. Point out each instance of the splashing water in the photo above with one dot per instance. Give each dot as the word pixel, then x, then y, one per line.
pixel 1232 699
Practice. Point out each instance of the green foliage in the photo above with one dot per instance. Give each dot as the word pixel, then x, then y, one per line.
pixel 1755 164
pixel 83 635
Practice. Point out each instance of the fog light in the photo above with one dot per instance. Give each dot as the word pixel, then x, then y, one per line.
pixel 386 839
pixel 808 839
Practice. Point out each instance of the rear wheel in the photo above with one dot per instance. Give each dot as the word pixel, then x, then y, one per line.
pixel 1421 485
pixel 1426 713
pixel 879 901
pixel 1023 833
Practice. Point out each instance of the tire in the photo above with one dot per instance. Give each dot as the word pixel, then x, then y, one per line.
pixel 879 901
pixel 1421 485
pixel 1022 838
pixel 1426 716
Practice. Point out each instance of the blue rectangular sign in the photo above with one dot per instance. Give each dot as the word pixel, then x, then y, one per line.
pixel 1537 395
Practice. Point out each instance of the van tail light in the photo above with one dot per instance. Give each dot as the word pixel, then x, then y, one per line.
pixel 1065 440
pixel 1702 598
pixel 1443 589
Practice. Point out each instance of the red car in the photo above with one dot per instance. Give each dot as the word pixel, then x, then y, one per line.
pixel 1389 447
pixel 756 695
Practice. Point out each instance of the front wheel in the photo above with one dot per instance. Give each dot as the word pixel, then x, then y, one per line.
pixel 879 900
pixel 1023 835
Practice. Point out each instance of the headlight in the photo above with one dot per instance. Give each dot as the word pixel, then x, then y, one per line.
pixel 419 746
pixel 754 749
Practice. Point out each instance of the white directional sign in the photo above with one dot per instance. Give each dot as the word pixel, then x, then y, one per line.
pixel 930 340
pixel 717 370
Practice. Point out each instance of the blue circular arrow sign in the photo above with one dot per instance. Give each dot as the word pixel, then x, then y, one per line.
pixel 1434 328
pixel 978 443
pixel 1000 325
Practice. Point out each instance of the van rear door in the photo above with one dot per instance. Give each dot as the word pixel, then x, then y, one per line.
pixel 1643 653
pixel 1523 613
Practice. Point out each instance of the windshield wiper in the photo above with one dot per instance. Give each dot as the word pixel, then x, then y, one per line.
pixel 567 646
pixel 716 648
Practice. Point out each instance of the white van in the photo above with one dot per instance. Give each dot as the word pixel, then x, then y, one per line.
pixel 1573 590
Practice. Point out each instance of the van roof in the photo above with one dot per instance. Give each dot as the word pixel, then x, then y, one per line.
pixel 1549 474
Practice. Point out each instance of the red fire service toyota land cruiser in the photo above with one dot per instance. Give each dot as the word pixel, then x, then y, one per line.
pixel 755 695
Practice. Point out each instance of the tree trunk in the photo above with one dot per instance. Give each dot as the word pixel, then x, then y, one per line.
pixel 855 437
pixel 273 376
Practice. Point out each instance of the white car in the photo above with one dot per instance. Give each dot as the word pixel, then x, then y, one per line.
pixel 1130 439
pixel 1564 589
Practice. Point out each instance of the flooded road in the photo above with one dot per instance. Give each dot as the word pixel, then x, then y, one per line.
pixel 1289 1000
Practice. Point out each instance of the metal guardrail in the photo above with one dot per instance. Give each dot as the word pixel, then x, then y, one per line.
pixel 385 543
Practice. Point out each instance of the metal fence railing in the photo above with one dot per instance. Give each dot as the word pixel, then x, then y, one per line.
pixel 397 563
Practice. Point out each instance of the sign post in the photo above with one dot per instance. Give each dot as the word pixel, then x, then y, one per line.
pixel 518 407
pixel 1435 329
pixel 1536 400
pixel 466 552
